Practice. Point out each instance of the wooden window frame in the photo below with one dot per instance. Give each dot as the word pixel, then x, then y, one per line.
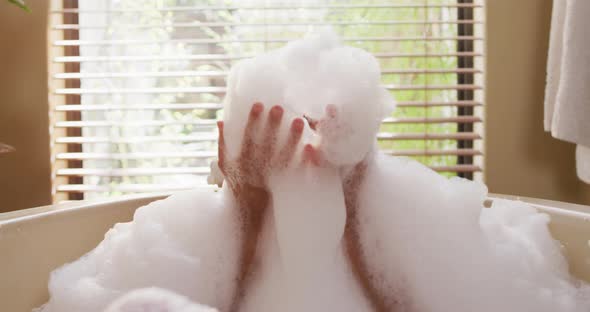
pixel 73 99
pixel 465 46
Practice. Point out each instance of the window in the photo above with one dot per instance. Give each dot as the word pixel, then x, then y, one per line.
pixel 137 85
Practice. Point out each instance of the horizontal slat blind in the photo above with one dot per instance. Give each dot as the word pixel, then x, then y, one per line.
pixel 136 86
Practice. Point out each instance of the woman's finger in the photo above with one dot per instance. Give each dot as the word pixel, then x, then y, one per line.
pixel 311 155
pixel 313 123
pixel 330 119
pixel 247 151
pixel 221 147
pixel 288 151
pixel 270 133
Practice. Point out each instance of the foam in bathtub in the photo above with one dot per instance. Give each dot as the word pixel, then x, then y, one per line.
pixel 441 250
pixel 429 244
pixel 187 243
pixel 155 300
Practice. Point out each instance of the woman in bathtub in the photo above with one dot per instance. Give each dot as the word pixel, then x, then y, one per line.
pixel 256 160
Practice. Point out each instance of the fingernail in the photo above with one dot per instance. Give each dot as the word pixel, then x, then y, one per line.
pixel 257 108
pixel 297 125
pixel 276 112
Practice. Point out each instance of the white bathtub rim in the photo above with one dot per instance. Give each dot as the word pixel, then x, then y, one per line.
pixel 549 206
pixel 70 207
pixel 542 205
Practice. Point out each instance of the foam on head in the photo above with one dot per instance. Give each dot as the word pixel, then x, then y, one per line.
pixel 305 77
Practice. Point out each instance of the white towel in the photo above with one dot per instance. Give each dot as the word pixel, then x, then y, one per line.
pixel 583 163
pixel 567 94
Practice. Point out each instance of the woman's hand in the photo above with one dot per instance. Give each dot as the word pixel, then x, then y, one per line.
pixel 352 180
pixel 247 177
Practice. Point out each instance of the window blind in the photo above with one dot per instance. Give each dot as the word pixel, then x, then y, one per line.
pixel 136 86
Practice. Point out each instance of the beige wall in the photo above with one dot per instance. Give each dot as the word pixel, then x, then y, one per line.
pixel 522 159
pixel 24 174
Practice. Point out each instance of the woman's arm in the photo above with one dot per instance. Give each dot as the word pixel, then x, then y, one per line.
pixel 247 177
pixel 351 186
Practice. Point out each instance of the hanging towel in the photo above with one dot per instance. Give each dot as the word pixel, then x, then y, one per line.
pixel 583 163
pixel 567 93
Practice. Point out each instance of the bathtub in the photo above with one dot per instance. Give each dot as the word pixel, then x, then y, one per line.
pixel 35 241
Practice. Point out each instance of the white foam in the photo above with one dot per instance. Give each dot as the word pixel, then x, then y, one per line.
pixel 309 228
pixel 304 77
pixel 155 300
pixel 429 243
pixel 438 245
pixel 187 243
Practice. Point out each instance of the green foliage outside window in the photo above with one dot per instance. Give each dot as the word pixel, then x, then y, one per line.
pixel 150 24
